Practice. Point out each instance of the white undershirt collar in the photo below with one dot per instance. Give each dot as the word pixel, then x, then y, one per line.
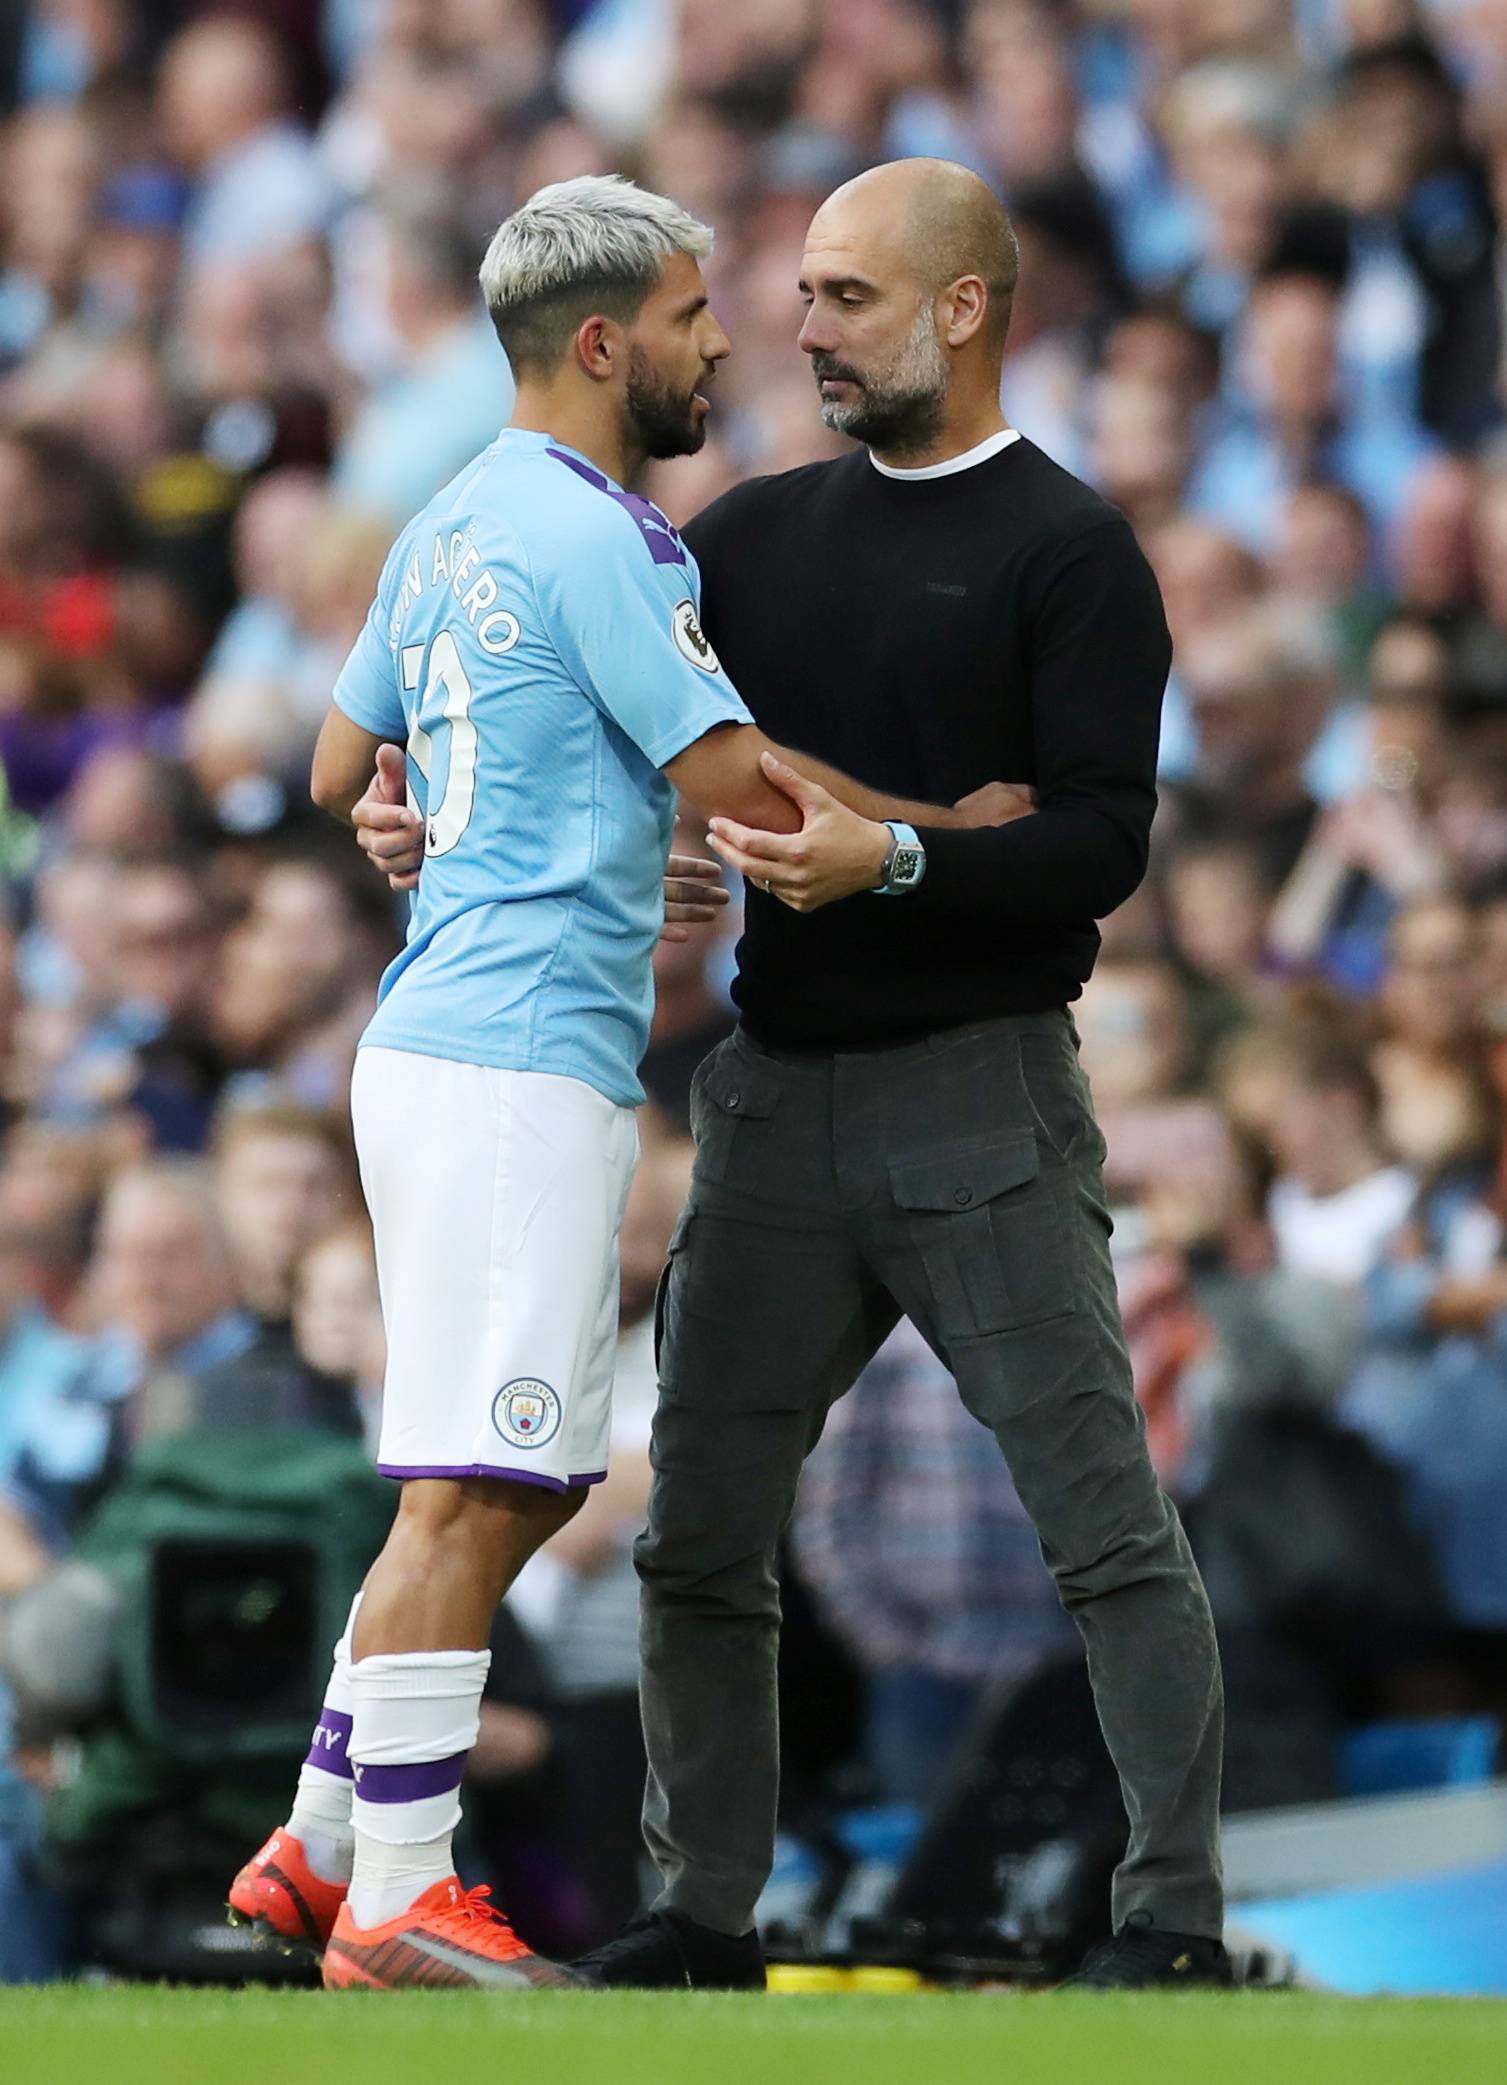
pixel 980 453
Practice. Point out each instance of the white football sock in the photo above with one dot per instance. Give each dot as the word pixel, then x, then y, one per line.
pixel 321 1813
pixel 417 1715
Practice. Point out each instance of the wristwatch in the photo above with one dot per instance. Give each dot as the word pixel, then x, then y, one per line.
pixel 905 864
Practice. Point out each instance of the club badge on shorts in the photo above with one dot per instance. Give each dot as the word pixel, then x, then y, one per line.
pixel 526 1412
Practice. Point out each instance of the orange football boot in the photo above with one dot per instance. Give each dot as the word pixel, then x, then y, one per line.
pixel 451 1939
pixel 279 1893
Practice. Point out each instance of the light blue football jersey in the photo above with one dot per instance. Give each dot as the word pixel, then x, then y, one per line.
pixel 535 643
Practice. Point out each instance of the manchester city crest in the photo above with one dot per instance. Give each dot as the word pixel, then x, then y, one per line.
pixel 526 1412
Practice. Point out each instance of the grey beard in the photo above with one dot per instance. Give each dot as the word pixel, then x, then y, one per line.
pixel 905 406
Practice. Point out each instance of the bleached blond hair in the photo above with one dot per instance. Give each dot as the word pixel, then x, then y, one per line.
pixel 595 244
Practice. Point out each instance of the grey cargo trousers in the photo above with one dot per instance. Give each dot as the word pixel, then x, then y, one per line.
pixel 956 1181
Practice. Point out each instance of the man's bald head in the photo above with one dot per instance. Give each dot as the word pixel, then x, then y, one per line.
pixel 938 220
pixel 908 274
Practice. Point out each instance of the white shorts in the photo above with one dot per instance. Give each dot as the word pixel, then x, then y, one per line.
pixel 496 1198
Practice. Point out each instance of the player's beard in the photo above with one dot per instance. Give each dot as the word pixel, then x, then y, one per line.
pixel 901 407
pixel 664 421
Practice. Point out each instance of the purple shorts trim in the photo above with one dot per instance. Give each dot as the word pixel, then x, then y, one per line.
pixel 486 1469
pixel 332 1734
pixel 411 1782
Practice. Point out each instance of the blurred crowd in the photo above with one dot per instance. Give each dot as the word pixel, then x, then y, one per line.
pixel 1262 306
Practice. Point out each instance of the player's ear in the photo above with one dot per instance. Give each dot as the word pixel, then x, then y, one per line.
pixel 964 306
pixel 598 347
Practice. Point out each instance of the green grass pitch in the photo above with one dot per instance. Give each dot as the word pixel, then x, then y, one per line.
pixel 142 2036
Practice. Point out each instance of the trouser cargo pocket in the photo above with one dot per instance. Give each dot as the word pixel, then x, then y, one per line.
pixel 987 1222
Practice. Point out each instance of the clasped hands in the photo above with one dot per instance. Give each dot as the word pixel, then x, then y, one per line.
pixel 836 853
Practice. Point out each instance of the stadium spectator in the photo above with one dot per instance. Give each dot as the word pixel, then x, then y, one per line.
pixel 224 107
pixel 1436 1105
pixel 283 1178
pixel 1286 420
pixel 163 1299
pixel 1259 688
pixel 259 639
pixel 1218 917
pixel 337 1318
pixel 167 937
pixel 1335 1203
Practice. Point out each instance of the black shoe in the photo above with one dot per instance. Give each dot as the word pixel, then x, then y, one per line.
pixel 1142 1956
pixel 666 1951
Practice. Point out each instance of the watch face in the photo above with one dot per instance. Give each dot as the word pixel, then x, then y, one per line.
pixel 906 866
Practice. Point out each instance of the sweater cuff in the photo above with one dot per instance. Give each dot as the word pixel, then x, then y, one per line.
pixel 964 866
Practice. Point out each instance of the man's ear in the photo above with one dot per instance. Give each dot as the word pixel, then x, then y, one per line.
pixel 599 347
pixel 966 304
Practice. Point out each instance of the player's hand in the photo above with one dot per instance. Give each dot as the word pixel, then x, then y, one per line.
pixel 389 834
pixel 997 803
pixel 694 895
pixel 835 854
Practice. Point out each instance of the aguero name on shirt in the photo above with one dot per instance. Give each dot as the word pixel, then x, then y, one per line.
pixel 456 560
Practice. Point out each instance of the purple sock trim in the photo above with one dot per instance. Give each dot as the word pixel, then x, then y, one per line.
pixel 486 1469
pixel 409 1783
pixel 327 1749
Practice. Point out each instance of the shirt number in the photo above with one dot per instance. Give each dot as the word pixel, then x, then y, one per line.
pixel 446 700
